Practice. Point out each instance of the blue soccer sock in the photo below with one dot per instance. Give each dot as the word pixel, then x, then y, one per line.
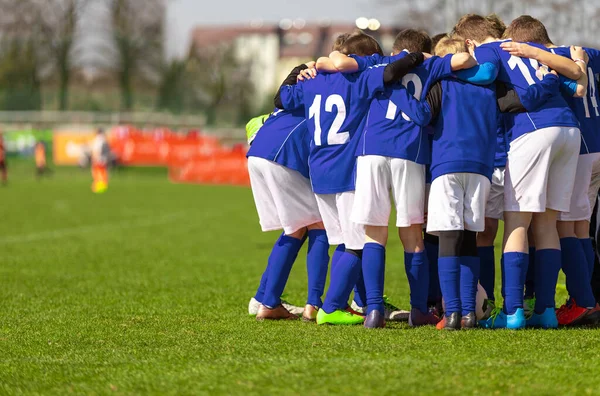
pixel 360 292
pixel 574 265
pixel 530 277
pixel 417 272
pixel 590 256
pixel 434 293
pixel 260 293
pixel 337 253
pixel 317 261
pixel 503 280
pixel 282 259
pixel 469 275
pixel 343 278
pixel 515 270
pixel 373 270
pixel 487 272
pixel 547 264
pixel 449 270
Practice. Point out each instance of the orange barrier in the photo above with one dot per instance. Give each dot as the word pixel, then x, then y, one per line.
pixel 191 158
pixel 219 168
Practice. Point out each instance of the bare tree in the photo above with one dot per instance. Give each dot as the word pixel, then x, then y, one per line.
pixel 138 34
pixel 57 21
pixel 219 83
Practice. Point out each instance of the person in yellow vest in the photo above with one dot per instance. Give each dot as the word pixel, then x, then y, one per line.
pixel 41 164
pixel 100 153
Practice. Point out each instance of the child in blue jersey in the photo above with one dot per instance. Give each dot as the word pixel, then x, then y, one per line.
pixel 336 105
pixel 392 154
pixel 574 225
pixel 539 178
pixel 462 161
pixel 494 207
pixel 278 168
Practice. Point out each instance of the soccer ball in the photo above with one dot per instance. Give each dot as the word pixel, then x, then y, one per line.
pixel 481 305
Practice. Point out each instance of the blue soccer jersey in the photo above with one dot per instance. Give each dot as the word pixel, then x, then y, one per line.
pixel 335 108
pixel 284 139
pixel 586 108
pixel 501 141
pixel 465 130
pixel 390 132
pixel 519 73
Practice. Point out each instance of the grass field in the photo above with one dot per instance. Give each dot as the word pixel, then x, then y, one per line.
pixel 144 290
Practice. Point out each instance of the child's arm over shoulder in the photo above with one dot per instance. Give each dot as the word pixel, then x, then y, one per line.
pixel 289 95
pixel 484 74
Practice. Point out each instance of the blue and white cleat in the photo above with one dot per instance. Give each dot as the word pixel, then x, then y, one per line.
pixel 517 320
pixel 545 320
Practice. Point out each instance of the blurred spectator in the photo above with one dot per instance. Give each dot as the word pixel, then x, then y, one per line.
pixel 40 160
pixel 3 169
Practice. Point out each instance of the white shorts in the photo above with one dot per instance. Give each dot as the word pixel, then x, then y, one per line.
pixel 585 190
pixel 376 176
pixel 540 170
pixel 335 210
pixel 494 208
pixel 283 197
pixel 457 202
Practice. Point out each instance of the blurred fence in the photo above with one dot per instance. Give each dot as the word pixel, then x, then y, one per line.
pixel 51 119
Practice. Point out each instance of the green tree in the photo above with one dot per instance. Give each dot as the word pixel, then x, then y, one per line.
pixel 19 81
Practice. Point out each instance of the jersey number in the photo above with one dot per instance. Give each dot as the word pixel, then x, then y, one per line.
pixel 418 85
pixel 334 136
pixel 516 62
pixel 592 95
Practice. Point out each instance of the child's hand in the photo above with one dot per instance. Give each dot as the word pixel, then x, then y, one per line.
pixel 307 74
pixel 521 50
pixel 577 53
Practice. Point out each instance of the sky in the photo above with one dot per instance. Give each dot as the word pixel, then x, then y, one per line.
pixel 183 15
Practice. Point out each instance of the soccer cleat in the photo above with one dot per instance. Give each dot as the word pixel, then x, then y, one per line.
pixel 469 321
pixel 353 312
pixel 451 322
pixel 545 320
pixel 392 312
pixel 277 313
pixel 418 318
pixel 528 305
pixel 357 309
pixel 517 320
pixel 253 307
pixel 338 317
pixel 496 320
pixel 374 320
pixel 294 309
pixel 310 313
pixel 574 315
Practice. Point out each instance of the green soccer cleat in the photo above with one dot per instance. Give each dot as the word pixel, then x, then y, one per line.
pixel 339 317
pixel 528 305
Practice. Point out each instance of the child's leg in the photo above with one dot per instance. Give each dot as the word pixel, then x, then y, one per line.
pixel 485 249
pixel 317 262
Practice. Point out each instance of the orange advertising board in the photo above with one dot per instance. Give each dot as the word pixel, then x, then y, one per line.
pixel 70 146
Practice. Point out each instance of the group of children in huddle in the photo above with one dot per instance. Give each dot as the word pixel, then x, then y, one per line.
pixel 498 124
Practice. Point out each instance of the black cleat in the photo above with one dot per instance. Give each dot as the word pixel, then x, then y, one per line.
pixel 451 322
pixel 375 320
pixel 469 321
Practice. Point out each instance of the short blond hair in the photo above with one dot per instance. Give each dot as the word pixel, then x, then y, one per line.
pixel 449 45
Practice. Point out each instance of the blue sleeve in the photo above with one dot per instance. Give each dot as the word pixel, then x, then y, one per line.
pixel 292 96
pixel 418 111
pixel 538 94
pixel 488 55
pixel 481 74
pixel 363 61
pixel 568 87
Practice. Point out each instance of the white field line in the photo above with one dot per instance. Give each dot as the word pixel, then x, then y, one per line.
pixel 87 229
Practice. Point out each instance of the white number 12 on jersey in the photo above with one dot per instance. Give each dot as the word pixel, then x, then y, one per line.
pixel 334 136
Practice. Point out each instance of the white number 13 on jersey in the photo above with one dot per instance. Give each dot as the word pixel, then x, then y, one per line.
pixel 334 136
